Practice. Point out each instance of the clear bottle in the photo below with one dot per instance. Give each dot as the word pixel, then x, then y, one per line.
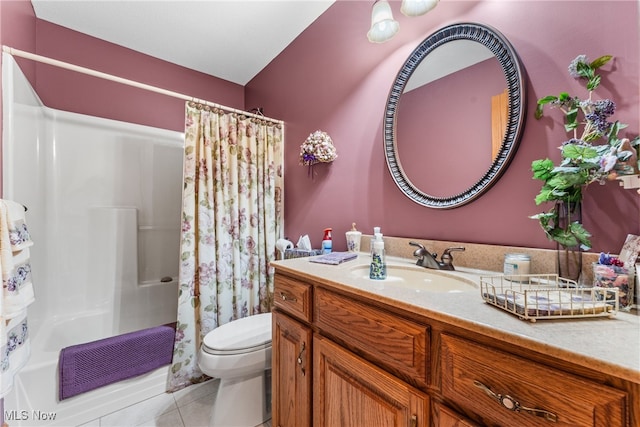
pixel 376 231
pixel 378 267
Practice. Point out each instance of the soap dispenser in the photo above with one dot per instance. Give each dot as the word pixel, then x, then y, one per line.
pixel 376 231
pixel 378 268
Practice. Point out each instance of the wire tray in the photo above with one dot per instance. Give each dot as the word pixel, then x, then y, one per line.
pixel 547 296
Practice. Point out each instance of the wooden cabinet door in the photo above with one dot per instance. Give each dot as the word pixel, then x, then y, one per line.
pixel 351 392
pixel 291 372
pixel 445 417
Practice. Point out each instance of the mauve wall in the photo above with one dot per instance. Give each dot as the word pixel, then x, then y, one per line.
pixel 71 91
pixel 332 78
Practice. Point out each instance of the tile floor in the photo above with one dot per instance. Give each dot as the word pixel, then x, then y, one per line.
pixel 189 407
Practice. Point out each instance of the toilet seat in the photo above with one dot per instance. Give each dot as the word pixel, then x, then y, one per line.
pixel 246 335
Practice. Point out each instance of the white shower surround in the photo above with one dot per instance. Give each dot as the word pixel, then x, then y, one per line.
pixel 104 202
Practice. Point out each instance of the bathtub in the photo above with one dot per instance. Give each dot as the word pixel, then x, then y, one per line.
pixel 31 405
pixel 104 201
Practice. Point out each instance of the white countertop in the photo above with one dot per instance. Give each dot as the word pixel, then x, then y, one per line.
pixel 613 343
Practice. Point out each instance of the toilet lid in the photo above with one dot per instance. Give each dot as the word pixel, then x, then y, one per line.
pixel 244 335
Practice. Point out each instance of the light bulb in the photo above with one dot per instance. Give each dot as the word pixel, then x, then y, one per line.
pixel 383 26
pixel 417 7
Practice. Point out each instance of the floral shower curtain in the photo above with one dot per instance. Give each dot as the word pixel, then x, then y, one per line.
pixel 231 219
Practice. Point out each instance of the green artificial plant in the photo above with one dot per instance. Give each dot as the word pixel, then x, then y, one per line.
pixel 582 160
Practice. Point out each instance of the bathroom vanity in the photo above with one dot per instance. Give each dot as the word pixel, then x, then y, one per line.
pixel 349 351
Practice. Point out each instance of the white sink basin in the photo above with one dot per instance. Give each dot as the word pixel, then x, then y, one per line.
pixel 418 278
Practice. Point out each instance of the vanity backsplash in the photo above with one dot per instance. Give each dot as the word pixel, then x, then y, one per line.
pixel 483 256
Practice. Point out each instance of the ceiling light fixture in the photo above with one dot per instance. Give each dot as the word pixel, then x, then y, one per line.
pixel 383 26
pixel 417 7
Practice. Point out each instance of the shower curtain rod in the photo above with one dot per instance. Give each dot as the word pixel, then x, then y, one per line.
pixel 100 74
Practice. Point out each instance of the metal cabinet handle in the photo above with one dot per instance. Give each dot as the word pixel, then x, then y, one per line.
pixel 513 405
pixel 414 421
pixel 299 360
pixel 286 297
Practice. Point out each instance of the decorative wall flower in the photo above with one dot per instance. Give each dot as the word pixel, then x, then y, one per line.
pixel 317 148
pixel 583 162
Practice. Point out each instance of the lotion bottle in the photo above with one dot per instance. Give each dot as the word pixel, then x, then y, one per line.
pixel 353 239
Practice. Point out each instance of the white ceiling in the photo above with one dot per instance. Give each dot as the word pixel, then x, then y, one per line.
pixel 230 39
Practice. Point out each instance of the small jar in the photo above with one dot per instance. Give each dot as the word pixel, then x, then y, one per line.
pixel 517 266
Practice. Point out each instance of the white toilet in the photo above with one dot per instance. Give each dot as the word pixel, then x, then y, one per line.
pixel 239 354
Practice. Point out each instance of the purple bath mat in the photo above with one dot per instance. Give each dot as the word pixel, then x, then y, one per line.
pixel 85 367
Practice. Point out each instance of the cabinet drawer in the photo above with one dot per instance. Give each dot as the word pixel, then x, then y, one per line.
pixel 293 296
pixel 472 372
pixel 396 344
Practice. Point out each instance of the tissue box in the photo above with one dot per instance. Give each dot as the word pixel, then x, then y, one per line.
pixel 611 276
pixel 300 253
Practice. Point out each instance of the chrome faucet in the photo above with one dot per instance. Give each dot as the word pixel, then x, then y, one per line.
pixel 430 260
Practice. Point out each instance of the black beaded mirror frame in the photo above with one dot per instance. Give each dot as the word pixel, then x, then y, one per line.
pixel 510 65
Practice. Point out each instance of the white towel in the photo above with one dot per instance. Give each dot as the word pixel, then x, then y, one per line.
pixel 17 287
pixel 14 351
pixel 18 232
pixel 6 253
pixel 14 260
pixel 17 292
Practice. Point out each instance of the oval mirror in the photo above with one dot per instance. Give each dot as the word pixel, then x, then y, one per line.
pixel 454 116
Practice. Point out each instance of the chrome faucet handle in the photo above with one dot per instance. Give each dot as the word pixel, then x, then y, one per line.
pixel 425 258
pixel 447 258
pixel 419 253
pixel 422 251
pixel 417 244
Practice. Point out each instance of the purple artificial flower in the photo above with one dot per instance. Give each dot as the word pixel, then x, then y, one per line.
pixel 608 162
pixel 308 158
pixel 604 258
pixel 605 107
pixel 573 66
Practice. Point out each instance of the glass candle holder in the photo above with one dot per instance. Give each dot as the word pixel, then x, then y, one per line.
pixel 612 276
